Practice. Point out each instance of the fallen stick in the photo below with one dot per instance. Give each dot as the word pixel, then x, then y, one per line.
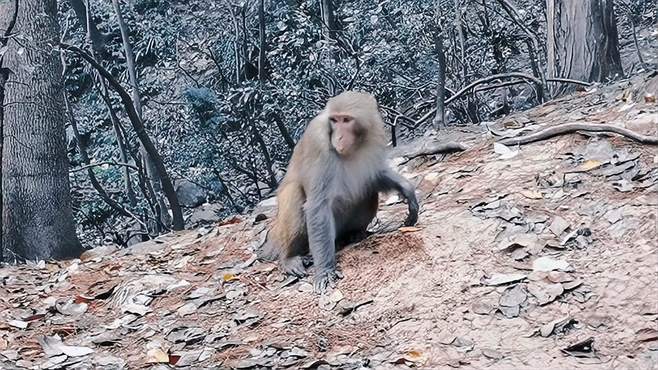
pixel 568 128
pixel 436 148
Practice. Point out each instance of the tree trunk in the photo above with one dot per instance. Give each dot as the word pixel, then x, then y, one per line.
pixel 462 38
pixel 328 18
pixel 149 165
pixel 7 24
pixel 4 75
pixel 121 142
pixel 440 117
pixel 37 215
pixel 95 36
pixel 582 41
pixel 262 45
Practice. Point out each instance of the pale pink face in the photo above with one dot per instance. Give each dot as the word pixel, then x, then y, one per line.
pixel 346 133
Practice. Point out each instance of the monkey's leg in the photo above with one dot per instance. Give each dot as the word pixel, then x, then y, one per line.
pixel 389 180
pixel 321 228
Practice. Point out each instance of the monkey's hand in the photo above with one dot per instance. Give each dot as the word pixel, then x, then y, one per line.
pixel 389 180
pixel 324 279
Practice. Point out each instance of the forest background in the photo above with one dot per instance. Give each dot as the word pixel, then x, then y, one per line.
pixel 124 120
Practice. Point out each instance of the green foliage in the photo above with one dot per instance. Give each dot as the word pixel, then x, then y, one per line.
pixel 202 102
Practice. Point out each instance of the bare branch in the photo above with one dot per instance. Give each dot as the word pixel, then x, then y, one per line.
pixel 96 164
pixel 568 80
pixel 568 128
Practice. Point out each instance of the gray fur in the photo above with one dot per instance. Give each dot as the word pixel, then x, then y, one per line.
pixel 338 205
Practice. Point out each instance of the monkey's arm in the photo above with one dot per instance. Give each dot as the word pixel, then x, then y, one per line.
pixel 389 180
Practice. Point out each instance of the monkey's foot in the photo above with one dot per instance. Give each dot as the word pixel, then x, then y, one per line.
pixel 293 266
pixel 324 279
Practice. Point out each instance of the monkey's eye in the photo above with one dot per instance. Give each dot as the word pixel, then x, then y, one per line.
pixel 332 120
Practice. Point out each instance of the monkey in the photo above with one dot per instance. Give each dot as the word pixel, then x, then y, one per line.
pixel 330 191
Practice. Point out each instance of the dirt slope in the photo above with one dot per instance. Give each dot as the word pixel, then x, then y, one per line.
pixel 519 253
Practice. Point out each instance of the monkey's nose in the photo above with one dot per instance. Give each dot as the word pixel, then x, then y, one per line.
pixel 341 145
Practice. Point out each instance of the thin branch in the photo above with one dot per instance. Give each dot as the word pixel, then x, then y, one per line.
pixel 568 80
pixel 568 128
pixel 497 86
pixel 96 164
pixel 466 90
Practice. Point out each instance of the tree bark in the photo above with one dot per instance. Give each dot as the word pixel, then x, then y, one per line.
pixel 37 214
pixel 582 41
pixel 7 24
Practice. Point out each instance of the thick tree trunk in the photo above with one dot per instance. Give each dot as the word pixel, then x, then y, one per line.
pixel 37 215
pixel 8 15
pixel 582 41
pixel 4 74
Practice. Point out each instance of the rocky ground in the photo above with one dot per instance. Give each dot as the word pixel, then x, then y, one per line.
pixel 539 256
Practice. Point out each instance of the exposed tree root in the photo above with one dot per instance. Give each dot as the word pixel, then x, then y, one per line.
pixel 568 128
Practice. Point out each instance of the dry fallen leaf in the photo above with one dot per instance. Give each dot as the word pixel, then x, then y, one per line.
pixel 500 279
pixel 532 194
pixel 589 165
pixel 409 358
pixel 505 151
pixel 583 348
pixel 53 346
pixel 156 356
pixel 545 293
pixel 549 264
pixel 18 324
pixel 409 229
pixel 647 335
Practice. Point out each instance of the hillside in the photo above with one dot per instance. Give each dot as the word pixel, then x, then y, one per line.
pixel 539 256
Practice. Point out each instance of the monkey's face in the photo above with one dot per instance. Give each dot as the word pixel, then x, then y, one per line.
pixel 346 133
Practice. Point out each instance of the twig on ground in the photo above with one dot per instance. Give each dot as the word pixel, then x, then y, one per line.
pixel 568 128
pixel 436 148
